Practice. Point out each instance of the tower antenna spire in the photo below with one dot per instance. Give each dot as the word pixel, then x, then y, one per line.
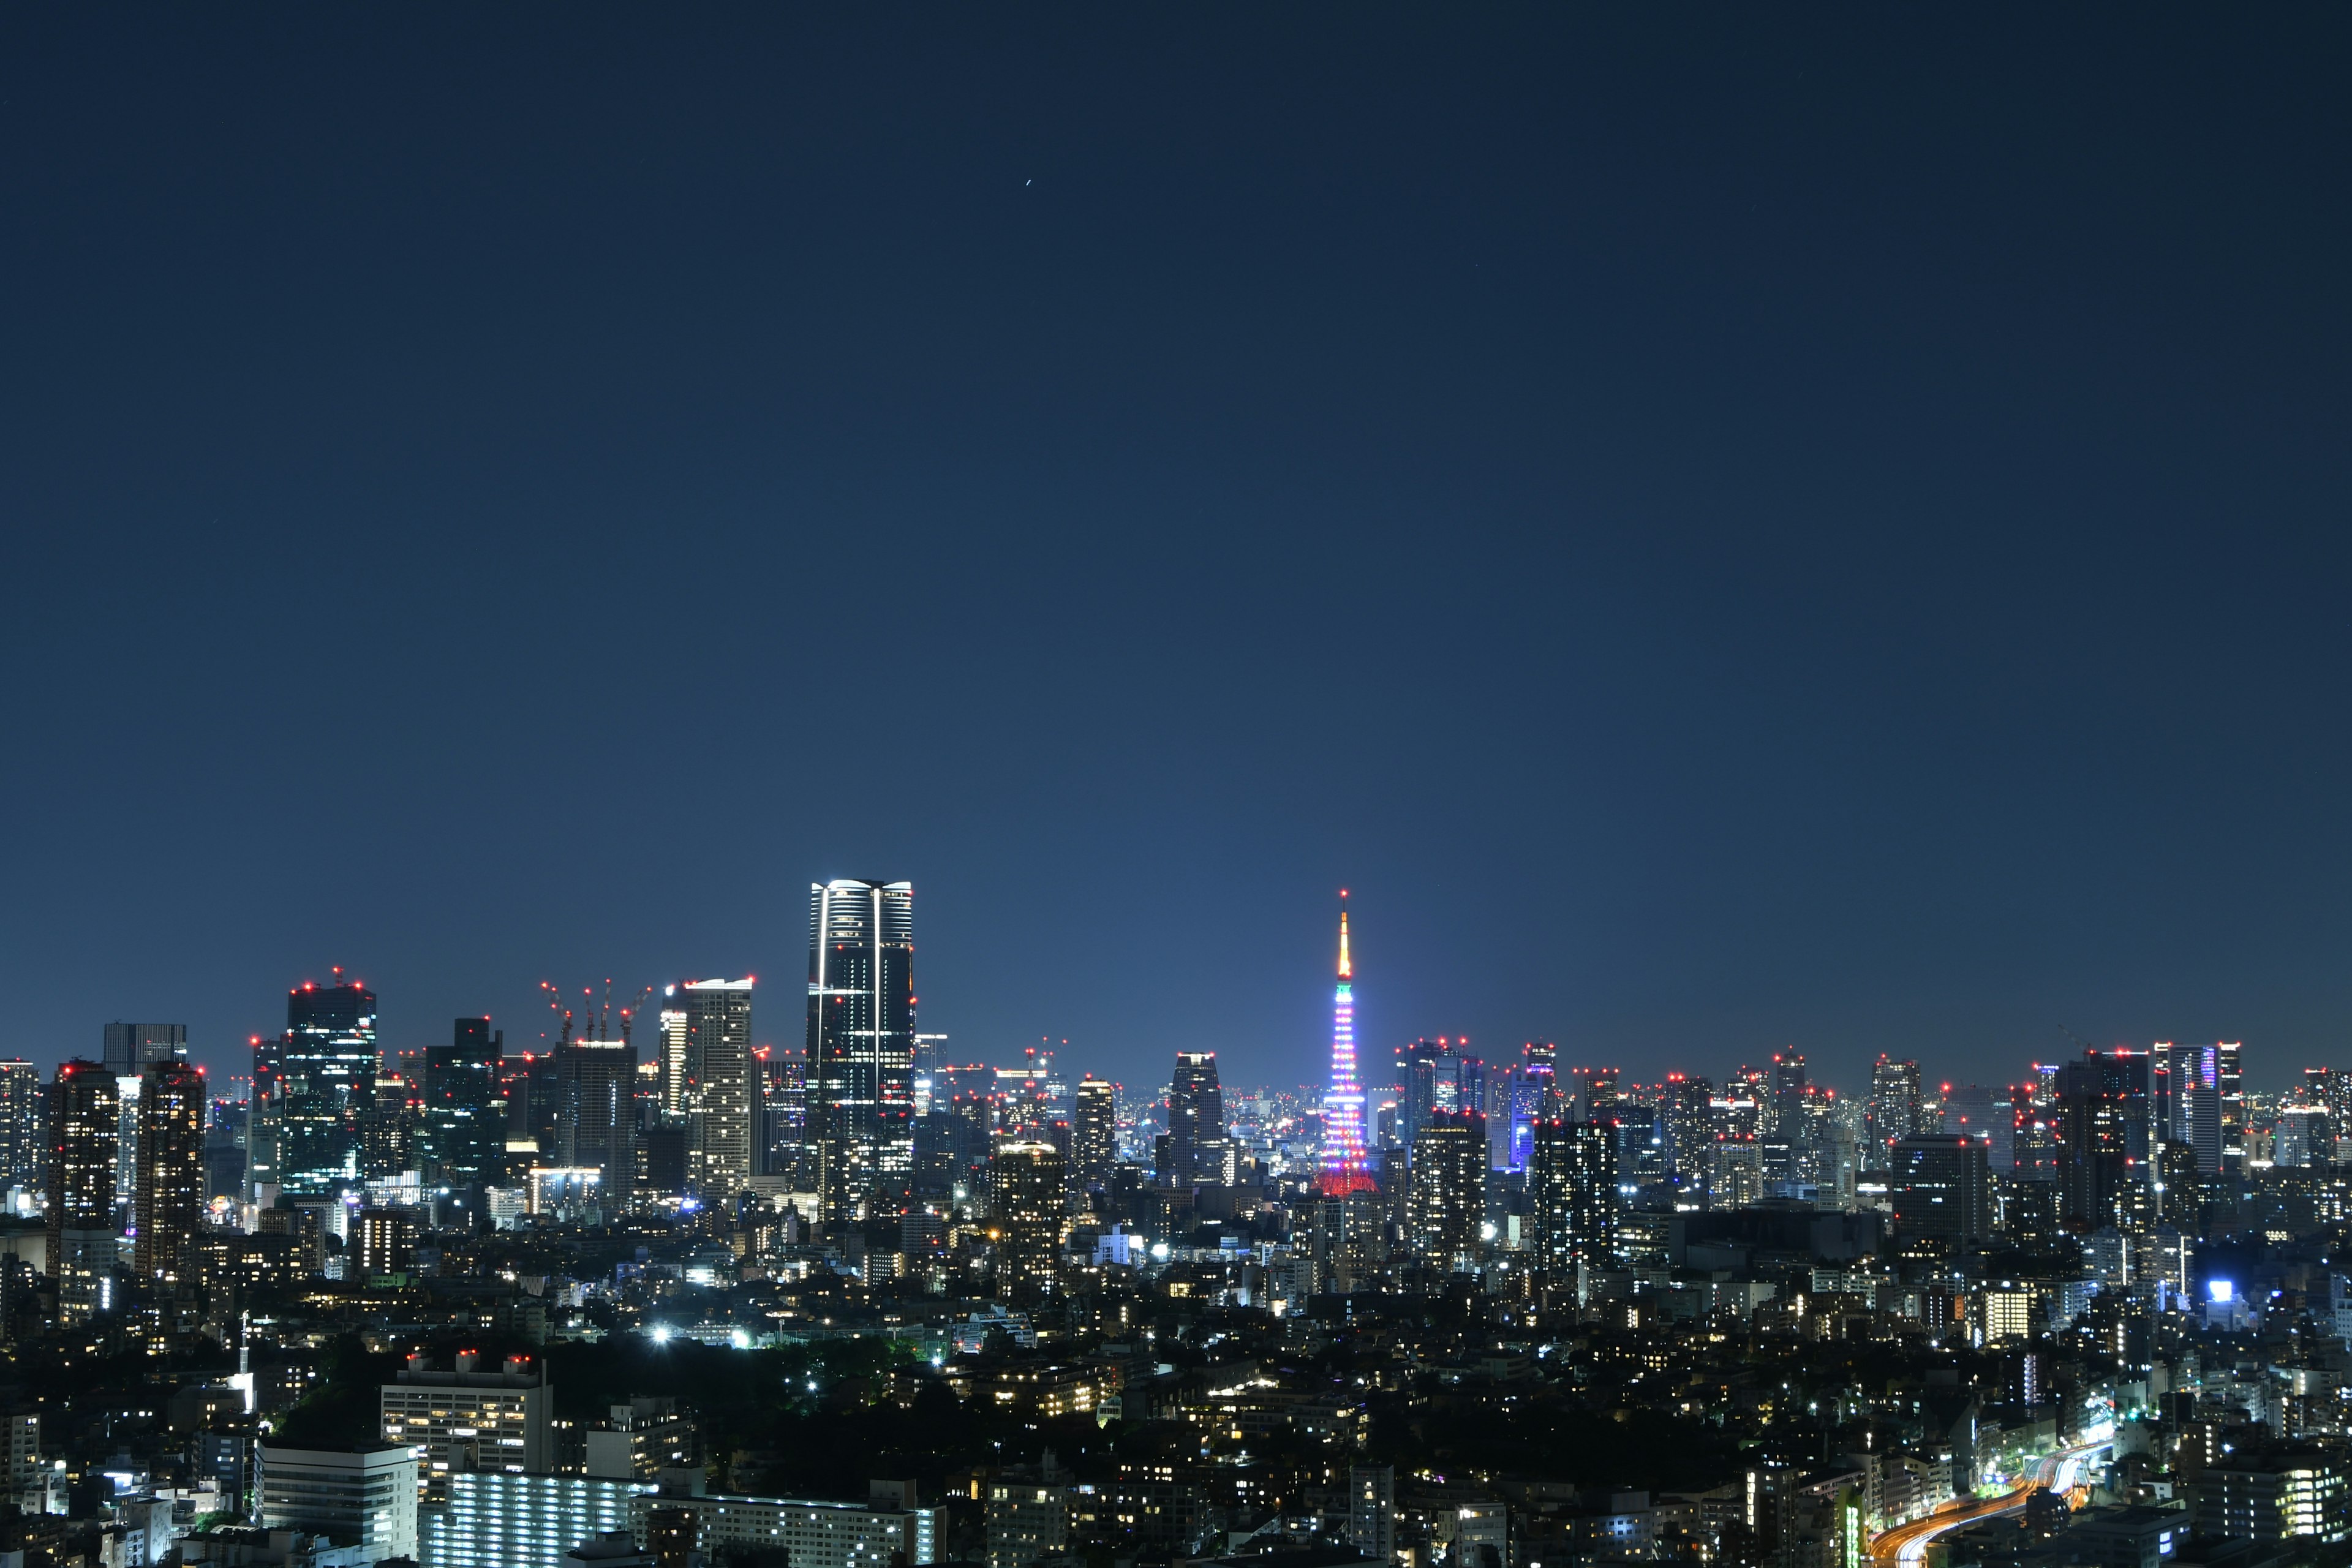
pixel 1344 1168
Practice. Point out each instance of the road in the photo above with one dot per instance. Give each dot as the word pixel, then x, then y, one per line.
pixel 1909 1543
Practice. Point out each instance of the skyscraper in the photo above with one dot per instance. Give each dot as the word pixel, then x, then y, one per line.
pixel 85 1126
pixel 24 1139
pixel 2230 1069
pixel 1894 1107
pixel 1938 1187
pixel 1572 1188
pixel 1026 1202
pixel 465 1129
pixel 719 1094
pixel 2103 1106
pixel 596 1110
pixel 171 1198
pixel 1094 1134
pixel 1343 1168
pixel 1196 1121
pixel 861 1048
pixel 671 1053
pixel 131 1048
pixel 1446 1200
pixel 326 1066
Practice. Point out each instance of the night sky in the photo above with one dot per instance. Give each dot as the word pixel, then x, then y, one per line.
pixel 1725 528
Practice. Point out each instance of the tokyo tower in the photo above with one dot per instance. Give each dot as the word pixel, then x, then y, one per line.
pixel 1343 1171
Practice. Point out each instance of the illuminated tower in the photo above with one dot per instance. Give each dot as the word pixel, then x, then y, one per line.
pixel 1343 1168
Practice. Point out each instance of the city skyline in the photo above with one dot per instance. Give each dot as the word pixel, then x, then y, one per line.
pixel 2276 1066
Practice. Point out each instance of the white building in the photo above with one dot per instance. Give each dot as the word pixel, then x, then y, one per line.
pixel 365 1499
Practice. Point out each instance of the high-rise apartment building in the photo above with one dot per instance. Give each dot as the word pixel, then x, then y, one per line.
pixel 861 1048
pixel 1027 1184
pixel 1094 1134
pixel 670 1076
pixel 1446 1199
pixel 85 1128
pixel 465 1126
pixel 1196 1121
pixel 1573 1190
pixel 24 1135
pixel 718 1100
pixel 325 1068
pixel 171 1197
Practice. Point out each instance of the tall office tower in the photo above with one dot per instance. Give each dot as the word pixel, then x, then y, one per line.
pixel 595 1119
pixel 1938 1186
pixel 171 1202
pixel 1196 1121
pixel 1446 1199
pixel 1684 1107
pixel 1784 1083
pixel 1894 1107
pixel 1343 1168
pixel 464 1121
pixel 1440 1074
pixel 24 1141
pixel 1094 1134
pixel 2103 1131
pixel 861 1048
pixel 85 1124
pixel 131 1048
pixel 327 1067
pixel 2185 1101
pixel 1531 1094
pixel 671 1056
pixel 2230 1063
pixel 719 1098
pixel 1027 1183
pixel 1572 1188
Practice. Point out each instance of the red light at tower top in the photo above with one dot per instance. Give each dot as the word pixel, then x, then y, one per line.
pixel 1343 1167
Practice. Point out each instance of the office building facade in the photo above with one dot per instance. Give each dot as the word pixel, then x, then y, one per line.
pixel 1196 1123
pixel 465 1132
pixel 861 1048
pixel 324 1086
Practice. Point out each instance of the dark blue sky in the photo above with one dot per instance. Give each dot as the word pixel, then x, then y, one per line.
pixel 1727 529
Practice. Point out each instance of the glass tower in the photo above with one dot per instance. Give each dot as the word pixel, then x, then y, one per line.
pixel 861 1048
pixel 325 1084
